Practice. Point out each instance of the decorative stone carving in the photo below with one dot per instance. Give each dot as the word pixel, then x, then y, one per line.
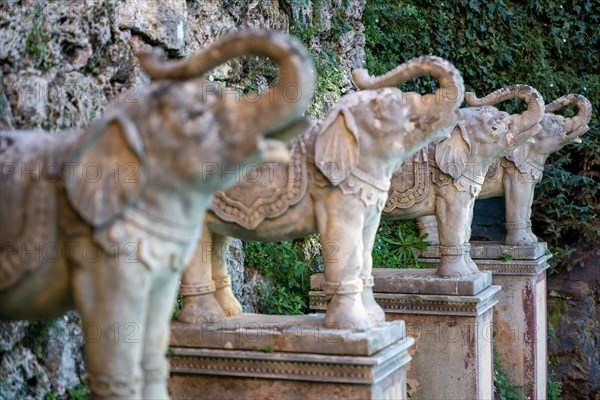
pixel 514 176
pixel 104 220
pixel 456 167
pixel 349 160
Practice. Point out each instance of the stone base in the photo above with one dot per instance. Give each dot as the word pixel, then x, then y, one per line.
pixel 342 364
pixel 520 316
pixel 452 356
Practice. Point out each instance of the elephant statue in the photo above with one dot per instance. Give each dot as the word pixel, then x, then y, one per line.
pixel 103 220
pixel 445 178
pixel 336 184
pixel 514 176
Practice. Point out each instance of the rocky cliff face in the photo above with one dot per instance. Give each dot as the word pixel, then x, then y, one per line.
pixel 63 62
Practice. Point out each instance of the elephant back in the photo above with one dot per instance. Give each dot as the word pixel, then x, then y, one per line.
pixel 28 203
pixel 410 183
pixel 267 190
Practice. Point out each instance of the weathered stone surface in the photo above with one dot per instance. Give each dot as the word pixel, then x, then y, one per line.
pixel 23 376
pixel 574 318
pixel 420 281
pixel 162 21
pixel 495 251
pixel 11 333
pixel 230 374
pixel 63 356
pixel 286 333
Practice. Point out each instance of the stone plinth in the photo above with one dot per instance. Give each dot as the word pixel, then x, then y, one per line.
pixel 266 357
pixel 520 316
pixel 451 322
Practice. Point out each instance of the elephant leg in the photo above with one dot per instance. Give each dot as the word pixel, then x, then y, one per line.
pixel 156 338
pixel 112 297
pixel 198 288
pixel 452 213
pixel 340 227
pixel 224 295
pixel 467 245
pixel 376 313
pixel 428 224
pixel 518 197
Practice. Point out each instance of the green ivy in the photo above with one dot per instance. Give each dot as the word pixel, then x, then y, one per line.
pixel 545 44
pixel 502 385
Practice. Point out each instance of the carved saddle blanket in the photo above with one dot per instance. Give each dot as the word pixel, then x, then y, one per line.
pixel 410 182
pixel 266 191
pixel 27 203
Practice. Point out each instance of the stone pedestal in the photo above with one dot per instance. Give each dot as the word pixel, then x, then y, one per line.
pixel 451 321
pixel 292 357
pixel 520 318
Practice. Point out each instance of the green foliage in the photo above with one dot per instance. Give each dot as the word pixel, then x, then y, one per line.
pixel 502 385
pixel 39 332
pixel 78 392
pixel 397 245
pixel 553 387
pixel 35 46
pixel 504 257
pixel 287 276
pixel 543 43
pixel 177 308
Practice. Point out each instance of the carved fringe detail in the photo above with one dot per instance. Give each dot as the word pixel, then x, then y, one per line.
pixel 223 282
pixel 197 289
pixel 452 250
pixel 517 225
pixel 349 287
pixel 368 281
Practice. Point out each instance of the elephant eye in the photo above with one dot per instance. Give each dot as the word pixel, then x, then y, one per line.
pixel 494 128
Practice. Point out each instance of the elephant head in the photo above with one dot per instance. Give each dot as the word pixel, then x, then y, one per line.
pixel 484 133
pixel 557 131
pixel 420 119
pixel 184 131
pixel 385 125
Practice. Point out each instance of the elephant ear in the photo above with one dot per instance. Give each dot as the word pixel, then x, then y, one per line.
pixel 108 170
pixel 519 155
pixel 452 154
pixel 337 146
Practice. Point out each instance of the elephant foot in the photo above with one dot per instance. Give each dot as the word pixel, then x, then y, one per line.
pixel 376 313
pixel 455 267
pixel 519 233
pixel 346 311
pixel 155 383
pixel 156 391
pixel 201 308
pixel 229 304
pixel 469 261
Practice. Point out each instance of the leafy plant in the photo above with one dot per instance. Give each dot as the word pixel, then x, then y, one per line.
pixel 287 276
pixel 78 392
pixel 397 245
pixel 502 385
pixel 553 387
pixel 504 257
pixel 35 46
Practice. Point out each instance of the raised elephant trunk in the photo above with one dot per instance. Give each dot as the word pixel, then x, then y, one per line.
pixel 451 82
pixel 529 120
pixel 275 109
pixel 574 125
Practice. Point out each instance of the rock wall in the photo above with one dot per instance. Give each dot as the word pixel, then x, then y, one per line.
pixel 63 62
pixel 574 322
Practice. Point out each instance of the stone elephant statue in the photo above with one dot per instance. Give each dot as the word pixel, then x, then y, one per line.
pixel 514 176
pixel 445 178
pixel 336 185
pixel 104 220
